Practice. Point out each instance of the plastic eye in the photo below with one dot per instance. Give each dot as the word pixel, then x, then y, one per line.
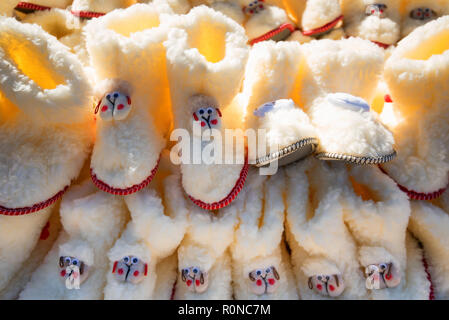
pixel 210 110
pixel 195 270
pixel 116 94
pixel 75 262
pixel 108 96
pixel 327 278
pixel 135 260
pixel 68 260
pixel 319 278
pixel 383 266
pixel 258 272
pixel 201 111
pixel 126 259
pixel 268 270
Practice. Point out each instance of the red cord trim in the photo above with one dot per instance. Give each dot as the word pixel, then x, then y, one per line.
pixel 34 208
pixel 382 45
pixel 123 192
pixel 87 14
pixel 272 33
pixel 324 28
pixel 31 7
pixel 414 195
pixel 231 196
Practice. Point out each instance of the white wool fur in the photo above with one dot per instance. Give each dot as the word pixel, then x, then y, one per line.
pixel 316 232
pixel 429 223
pixel 167 275
pixel 102 6
pixel 18 282
pixel 359 63
pixel 417 76
pixel 230 9
pixel 258 238
pixel 61 4
pixel 7 7
pixel 205 245
pixel 126 151
pixel 157 226
pixel 384 30
pixel 440 7
pixel 318 13
pixel 268 19
pixel 17 246
pixel 92 220
pixel 178 6
pixel 199 67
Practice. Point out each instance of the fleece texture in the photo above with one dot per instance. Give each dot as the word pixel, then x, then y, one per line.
pixel 199 61
pixel 101 6
pixel 92 220
pixel 318 13
pixel 438 9
pixel 125 46
pixel 429 223
pixel 205 245
pixel 258 242
pixel 384 29
pixel 316 231
pixel 377 214
pixel 417 75
pixel 342 130
pixel 157 226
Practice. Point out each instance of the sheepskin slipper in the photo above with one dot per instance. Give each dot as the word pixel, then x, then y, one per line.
pixel 374 20
pixel 421 120
pixel 324 254
pixel 200 60
pixel 260 264
pixel 429 222
pixel 133 106
pixel 96 8
pixel 418 12
pixel 317 19
pixel 340 110
pixel 204 261
pixel 377 214
pixel 45 134
pixel 158 224
pixel 77 265
pixel 269 77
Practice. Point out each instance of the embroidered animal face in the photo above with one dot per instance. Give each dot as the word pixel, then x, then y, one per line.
pixel 114 105
pixel 264 280
pixel 423 14
pixel 195 279
pixel 331 285
pixel 254 7
pixel 73 269
pixel 382 275
pixel 378 10
pixel 130 269
pixel 209 117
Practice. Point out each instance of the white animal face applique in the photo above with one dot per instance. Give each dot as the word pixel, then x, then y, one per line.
pixel 377 9
pixel 382 275
pixel 264 280
pixel 195 279
pixel 254 7
pixel 114 106
pixel 73 270
pixel 209 117
pixel 331 285
pixel 424 14
pixel 130 269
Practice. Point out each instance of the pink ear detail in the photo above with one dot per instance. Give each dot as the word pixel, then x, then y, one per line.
pixel 218 111
pixel 129 100
pixel 259 282
pixel 195 116
pixel 146 270
pixel 115 267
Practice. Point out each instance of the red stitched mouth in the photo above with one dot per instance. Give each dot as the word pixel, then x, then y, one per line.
pixel 231 196
pixel 324 28
pixel 87 14
pixel 30 7
pixel 414 195
pixel 382 45
pixel 34 208
pixel 123 192
pixel 270 34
